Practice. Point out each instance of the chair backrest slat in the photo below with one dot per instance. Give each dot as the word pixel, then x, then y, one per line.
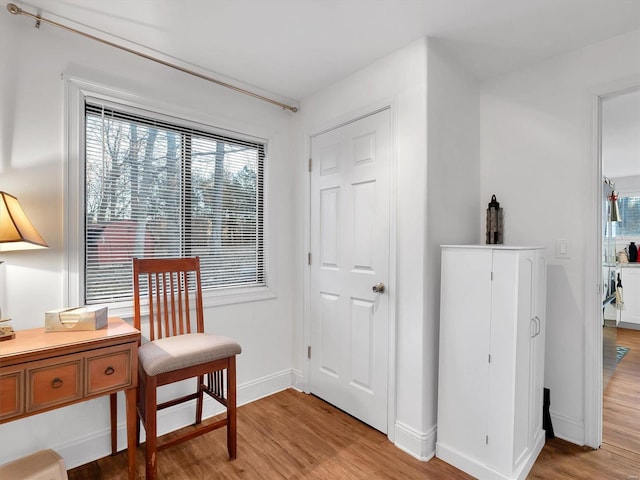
pixel 186 301
pixel 165 301
pixel 152 304
pixel 175 283
pixel 173 290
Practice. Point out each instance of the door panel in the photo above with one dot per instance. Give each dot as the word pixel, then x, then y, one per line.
pixel 362 347
pixel 329 353
pixel 329 206
pixel 364 196
pixel 350 238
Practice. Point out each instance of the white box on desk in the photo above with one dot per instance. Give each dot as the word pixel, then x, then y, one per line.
pixel 93 317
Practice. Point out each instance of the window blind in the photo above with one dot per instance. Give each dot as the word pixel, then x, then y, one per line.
pixel 158 188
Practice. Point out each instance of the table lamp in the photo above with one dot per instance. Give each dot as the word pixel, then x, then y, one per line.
pixel 16 233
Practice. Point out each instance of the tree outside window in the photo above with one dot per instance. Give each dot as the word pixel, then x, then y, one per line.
pixel 155 189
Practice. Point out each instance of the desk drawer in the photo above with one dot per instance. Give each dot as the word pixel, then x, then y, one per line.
pixel 54 382
pixel 11 392
pixel 108 369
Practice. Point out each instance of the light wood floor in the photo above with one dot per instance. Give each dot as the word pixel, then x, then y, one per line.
pixel 291 435
pixel 621 409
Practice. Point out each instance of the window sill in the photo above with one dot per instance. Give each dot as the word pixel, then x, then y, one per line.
pixel 236 295
pixel 209 299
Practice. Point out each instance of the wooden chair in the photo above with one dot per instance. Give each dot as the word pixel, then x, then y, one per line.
pixel 178 349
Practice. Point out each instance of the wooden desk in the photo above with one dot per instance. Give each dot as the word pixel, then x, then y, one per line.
pixel 41 371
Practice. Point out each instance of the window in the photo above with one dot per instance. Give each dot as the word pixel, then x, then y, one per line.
pixel 629 226
pixel 158 188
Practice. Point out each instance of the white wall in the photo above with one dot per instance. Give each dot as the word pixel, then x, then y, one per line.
pixel 536 156
pixel 628 186
pixel 421 218
pixel 34 67
pixel 452 185
pixel 398 80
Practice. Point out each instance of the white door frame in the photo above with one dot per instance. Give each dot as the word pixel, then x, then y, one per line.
pixel 306 333
pixel 593 385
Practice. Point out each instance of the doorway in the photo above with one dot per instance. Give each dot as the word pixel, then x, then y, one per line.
pixel 619 164
pixel 349 267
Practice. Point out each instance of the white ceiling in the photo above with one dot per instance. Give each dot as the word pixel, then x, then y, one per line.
pixel 293 48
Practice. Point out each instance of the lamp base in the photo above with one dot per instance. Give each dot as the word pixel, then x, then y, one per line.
pixel 7 333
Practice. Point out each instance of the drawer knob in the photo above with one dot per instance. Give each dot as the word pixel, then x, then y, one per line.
pixel 109 371
pixel 56 382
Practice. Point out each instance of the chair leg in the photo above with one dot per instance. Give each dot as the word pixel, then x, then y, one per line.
pixel 139 406
pixel 150 414
pixel 199 401
pixel 231 408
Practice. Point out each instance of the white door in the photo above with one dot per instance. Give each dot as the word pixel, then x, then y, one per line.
pixel 350 180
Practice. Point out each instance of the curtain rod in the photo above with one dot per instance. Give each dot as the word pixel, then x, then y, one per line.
pixel 15 10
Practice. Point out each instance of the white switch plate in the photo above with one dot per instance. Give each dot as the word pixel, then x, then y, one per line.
pixel 563 248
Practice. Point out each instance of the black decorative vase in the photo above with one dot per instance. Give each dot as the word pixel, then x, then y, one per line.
pixel 633 252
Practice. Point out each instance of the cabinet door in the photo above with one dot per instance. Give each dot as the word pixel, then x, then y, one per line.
pixel 631 287
pixel 511 330
pixel 538 348
pixel 463 382
pixel 527 331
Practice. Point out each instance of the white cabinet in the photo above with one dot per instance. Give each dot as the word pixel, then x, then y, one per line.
pixel 491 367
pixel 630 278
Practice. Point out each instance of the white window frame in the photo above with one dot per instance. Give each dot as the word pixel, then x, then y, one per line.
pixel 77 90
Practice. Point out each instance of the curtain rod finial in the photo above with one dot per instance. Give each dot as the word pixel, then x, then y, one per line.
pixel 14 9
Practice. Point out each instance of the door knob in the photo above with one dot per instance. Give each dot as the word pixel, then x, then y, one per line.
pixel 378 288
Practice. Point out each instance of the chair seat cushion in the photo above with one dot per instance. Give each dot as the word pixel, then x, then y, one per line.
pixel 182 351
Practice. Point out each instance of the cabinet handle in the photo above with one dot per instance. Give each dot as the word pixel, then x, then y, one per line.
pixel 539 325
pixel 109 371
pixel 56 383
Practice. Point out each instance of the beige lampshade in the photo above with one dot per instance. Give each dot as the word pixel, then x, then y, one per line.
pixel 16 231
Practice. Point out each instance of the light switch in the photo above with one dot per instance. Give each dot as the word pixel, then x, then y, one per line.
pixel 562 248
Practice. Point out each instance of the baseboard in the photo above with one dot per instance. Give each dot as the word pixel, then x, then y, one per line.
pixel 298 380
pixel 450 455
pixel 479 469
pixel 526 466
pixel 629 325
pixel 97 445
pixel 262 387
pixel 419 445
pixel 567 428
